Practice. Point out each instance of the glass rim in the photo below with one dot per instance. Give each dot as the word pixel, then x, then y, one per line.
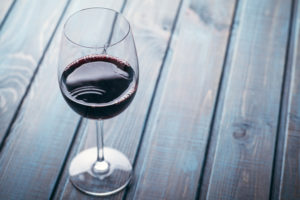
pixel 96 47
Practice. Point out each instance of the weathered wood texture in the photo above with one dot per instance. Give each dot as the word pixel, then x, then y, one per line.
pixel 5 6
pixel 23 39
pixel 211 144
pixel 171 157
pixel 165 131
pixel 284 107
pixel 151 22
pixel 290 182
pixel 250 97
pixel 38 143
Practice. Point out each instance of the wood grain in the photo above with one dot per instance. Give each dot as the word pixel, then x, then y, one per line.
pixel 23 39
pixel 36 148
pixel 151 24
pixel 290 181
pixel 248 119
pixel 284 107
pixel 172 153
pixel 165 130
pixel 4 8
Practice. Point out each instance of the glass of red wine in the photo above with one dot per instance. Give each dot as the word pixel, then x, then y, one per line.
pixel 98 77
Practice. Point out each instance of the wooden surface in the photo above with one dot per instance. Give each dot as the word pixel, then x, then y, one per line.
pixel 247 125
pixel 216 115
pixel 289 186
pixel 24 39
pixel 177 130
pixel 4 9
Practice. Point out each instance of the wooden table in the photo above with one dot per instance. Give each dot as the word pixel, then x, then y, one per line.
pixel 216 116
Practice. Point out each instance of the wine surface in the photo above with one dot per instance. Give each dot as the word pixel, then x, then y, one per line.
pixel 98 86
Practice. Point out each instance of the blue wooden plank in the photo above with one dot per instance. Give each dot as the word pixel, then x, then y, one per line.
pixel 290 182
pixel 5 8
pixel 282 124
pixel 250 100
pixel 211 144
pixel 37 146
pixel 23 39
pixel 171 157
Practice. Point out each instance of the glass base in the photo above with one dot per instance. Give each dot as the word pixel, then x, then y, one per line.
pixel 100 178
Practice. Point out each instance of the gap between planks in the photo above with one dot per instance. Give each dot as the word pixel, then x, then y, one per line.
pixel 284 101
pixel 6 135
pixel 2 21
pixel 212 135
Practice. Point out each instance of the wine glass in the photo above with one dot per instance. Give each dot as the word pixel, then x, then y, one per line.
pixel 98 77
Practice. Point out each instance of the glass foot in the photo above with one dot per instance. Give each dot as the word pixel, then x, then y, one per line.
pixel 100 178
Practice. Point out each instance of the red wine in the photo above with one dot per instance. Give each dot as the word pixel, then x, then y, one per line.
pixel 98 86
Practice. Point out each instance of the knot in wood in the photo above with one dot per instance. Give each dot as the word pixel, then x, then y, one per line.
pixel 240 130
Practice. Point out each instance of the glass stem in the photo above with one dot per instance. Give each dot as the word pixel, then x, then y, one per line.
pixel 101 166
pixel 100 144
